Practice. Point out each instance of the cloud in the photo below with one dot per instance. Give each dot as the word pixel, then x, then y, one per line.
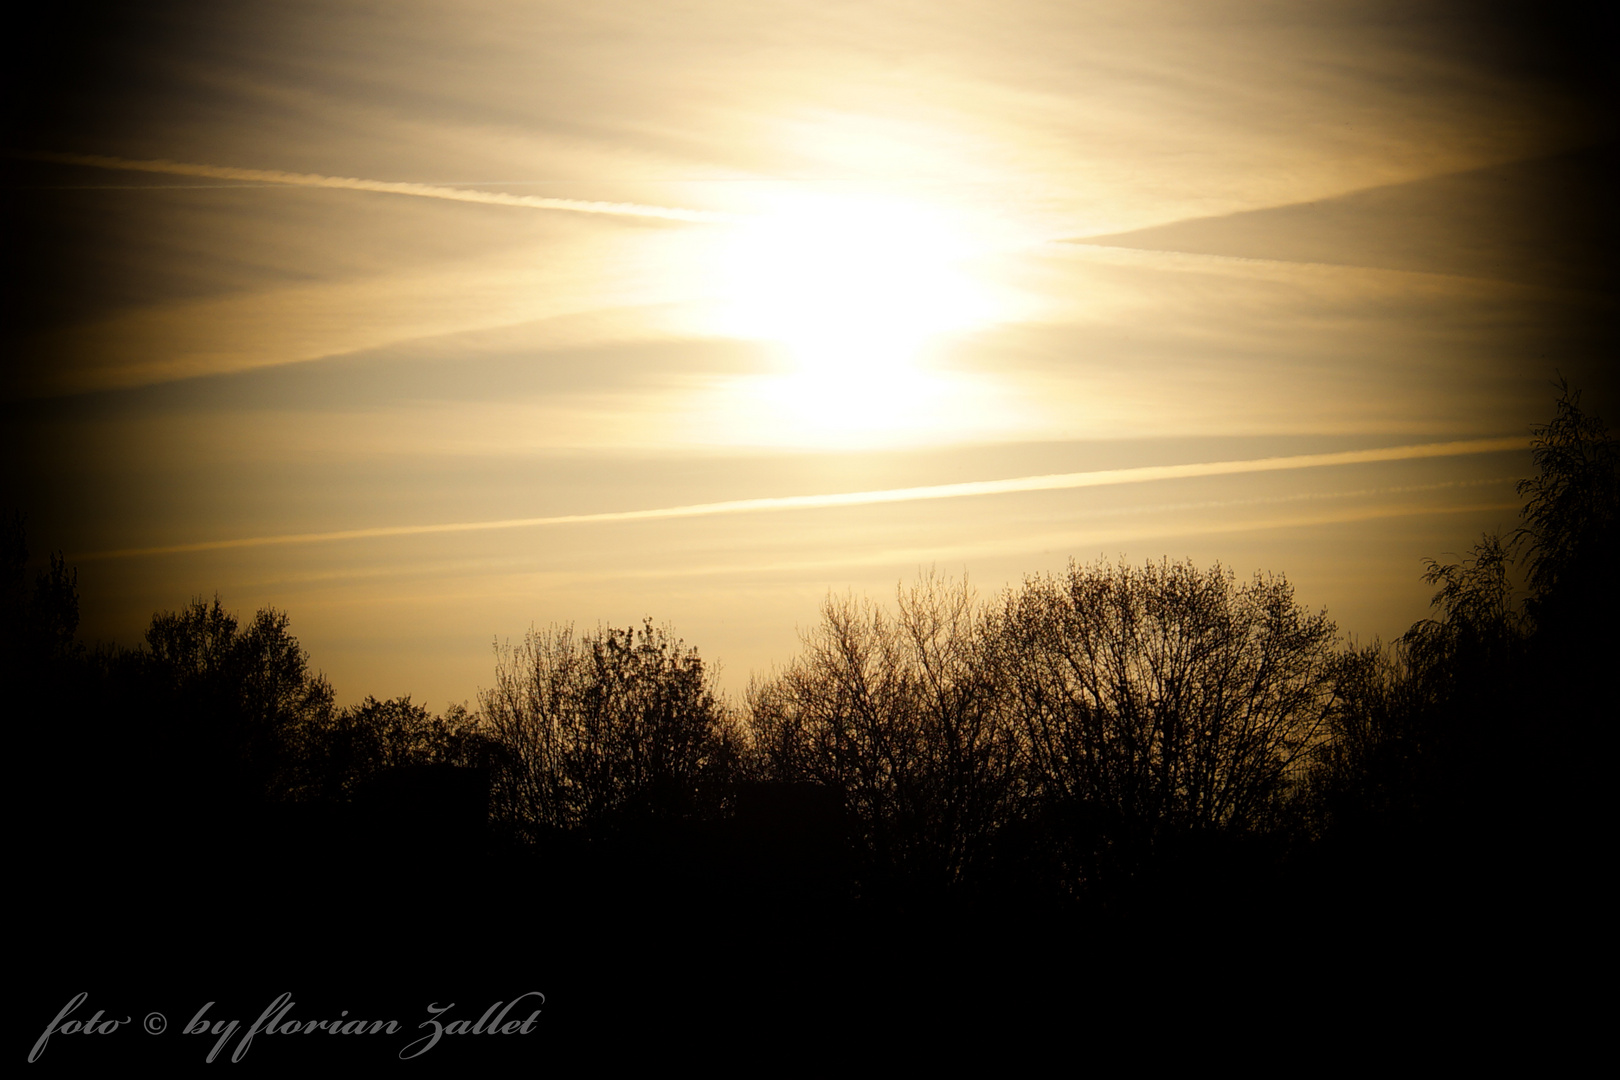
pixel 390 187
pixel 1053 482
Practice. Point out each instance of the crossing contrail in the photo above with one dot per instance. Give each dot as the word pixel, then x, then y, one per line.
pixel 390 187
pixel 1052 482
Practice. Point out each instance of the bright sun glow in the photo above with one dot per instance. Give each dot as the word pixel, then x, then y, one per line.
pixel 848 285
pixel 852 290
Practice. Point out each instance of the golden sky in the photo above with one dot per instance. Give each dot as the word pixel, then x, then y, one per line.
pixel 429 322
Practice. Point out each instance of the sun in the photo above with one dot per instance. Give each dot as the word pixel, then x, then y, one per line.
pixel 851 287
pixel 852 290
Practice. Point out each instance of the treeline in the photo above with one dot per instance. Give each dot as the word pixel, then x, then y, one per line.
pixel 1110 738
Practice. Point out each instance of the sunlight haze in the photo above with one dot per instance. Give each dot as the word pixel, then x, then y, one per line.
pixel 429 323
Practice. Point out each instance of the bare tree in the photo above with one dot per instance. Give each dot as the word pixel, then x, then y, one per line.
pixel 1163 698
pixel 901 714
pixel 598 730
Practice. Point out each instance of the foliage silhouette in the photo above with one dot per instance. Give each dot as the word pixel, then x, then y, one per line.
pixel 338 752
pixel 239 699
pixel 1570 518
pixel 1450 756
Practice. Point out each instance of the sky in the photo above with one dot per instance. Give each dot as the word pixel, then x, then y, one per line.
pixel 427 323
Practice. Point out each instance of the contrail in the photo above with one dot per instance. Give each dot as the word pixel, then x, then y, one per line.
pixel 1053 482
pixel 391 187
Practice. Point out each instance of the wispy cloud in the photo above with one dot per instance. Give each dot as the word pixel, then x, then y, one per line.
pixel 389 187
pixel 1051 482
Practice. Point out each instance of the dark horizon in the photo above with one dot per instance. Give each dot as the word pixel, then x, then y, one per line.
pixel 1087 757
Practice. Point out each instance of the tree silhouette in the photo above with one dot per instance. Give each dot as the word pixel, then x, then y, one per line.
pixel 1426 729
pixel 51 692
pixel 1161 705
pixel 1075 729
pixel 1571 544
pixel 605 731
pixel 903 716
pixel 1183 754
pixel 338 752
pixel 1569 533
pixel 1460 762
pixel 236 701
pixel 38 618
